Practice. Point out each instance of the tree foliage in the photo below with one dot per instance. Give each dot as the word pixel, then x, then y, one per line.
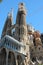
pixel 0 0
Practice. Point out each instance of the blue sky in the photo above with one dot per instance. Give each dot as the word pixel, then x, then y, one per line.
pixel 34 12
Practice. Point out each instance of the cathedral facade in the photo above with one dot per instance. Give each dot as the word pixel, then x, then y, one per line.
pixel 20 43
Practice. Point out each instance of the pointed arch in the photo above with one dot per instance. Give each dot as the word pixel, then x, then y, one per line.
pixel 11 59
pixel 3 57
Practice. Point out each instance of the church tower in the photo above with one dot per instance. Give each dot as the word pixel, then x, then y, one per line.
pixel 7 25
pixel 21 27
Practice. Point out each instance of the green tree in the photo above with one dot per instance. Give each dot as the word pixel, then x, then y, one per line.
pixel 0 1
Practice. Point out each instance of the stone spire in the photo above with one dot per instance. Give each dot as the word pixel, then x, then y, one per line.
pixel 21 27
pixel 7 25
pixel 21 14
pixel 10 15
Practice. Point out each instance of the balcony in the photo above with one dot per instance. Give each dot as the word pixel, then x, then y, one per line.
pixel 13 45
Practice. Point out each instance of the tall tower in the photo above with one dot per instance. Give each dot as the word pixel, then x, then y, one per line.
pixel 7 26
pixel 21 27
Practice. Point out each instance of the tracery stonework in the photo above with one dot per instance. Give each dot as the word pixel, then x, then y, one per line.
pixel 20 43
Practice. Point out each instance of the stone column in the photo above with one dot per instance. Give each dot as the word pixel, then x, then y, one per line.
pixel 23 60
pixel 16 59
pixel 7 52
